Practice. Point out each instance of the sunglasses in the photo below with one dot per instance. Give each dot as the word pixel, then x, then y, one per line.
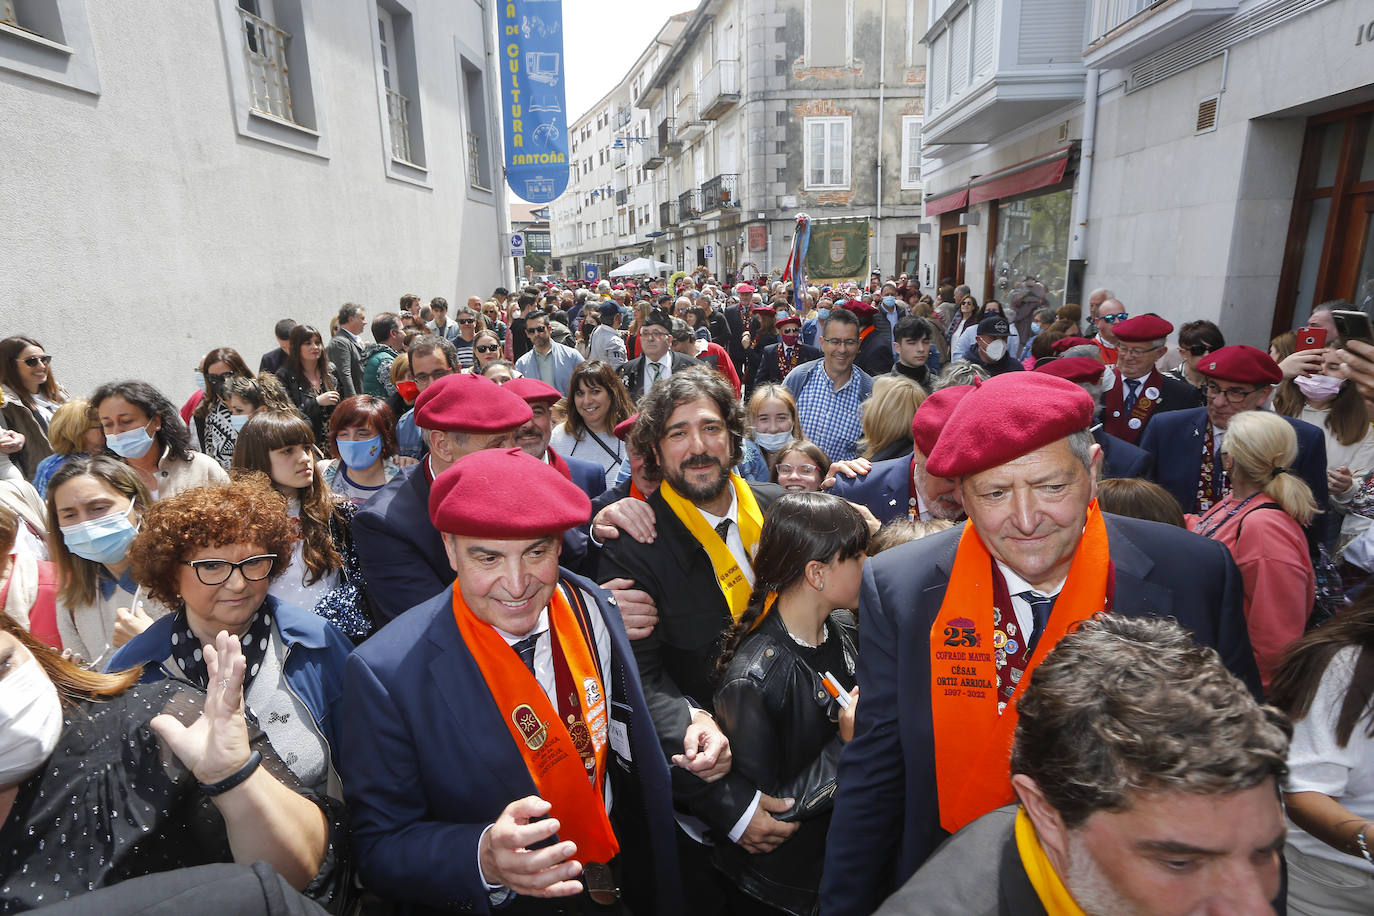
pixel 487 348
pixel 33 361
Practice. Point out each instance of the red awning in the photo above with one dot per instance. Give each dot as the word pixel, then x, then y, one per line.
pixel 947 202
pixel 1020 178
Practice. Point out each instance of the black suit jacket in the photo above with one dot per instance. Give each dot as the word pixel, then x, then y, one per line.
pixel 767 370
pixel 887 819
pixel 679 657
pixel 632 373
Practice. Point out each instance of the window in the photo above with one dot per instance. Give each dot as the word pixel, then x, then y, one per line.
pixel 398 82
pixel 272 72
pixel 49 40
pixel 826 19
pixel 911 152
pixel 827 153
pixel 478 141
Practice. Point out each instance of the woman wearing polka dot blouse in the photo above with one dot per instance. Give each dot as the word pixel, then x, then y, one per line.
pixel 209 554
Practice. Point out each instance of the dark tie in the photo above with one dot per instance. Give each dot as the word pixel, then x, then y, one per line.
pixel 526 649
pixel 1134 385
pixel 723 529
pixel 1040 606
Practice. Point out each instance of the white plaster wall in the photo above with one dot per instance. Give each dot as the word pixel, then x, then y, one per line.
pixel 140 230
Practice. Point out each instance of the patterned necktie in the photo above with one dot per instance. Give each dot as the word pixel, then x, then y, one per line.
pixel 1040 606
pixel 526 649
pixel 1134 385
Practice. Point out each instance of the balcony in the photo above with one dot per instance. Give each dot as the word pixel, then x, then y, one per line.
pixel 1121 32
pixel 667 214
pixel 989 73
pixel 720 89
pixel 689 122
pixel 719 193
pixel 689 205
pixel 668 140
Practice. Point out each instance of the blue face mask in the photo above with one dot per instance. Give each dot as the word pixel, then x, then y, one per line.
pixel 101 540
pixel 359 454
pixel 132 443
pixel 238 420
pixel 889 302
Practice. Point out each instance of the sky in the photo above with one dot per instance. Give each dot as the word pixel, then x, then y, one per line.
pixel 602 39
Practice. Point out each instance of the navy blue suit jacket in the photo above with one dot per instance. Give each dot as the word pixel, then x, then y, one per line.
pixel 887 820
pixel 1175 439
pixel 885 490
pixel 431 763
pixel 1120 458
pixel 401 552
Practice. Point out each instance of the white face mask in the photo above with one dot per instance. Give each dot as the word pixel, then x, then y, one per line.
pixel 30 721
pixel 996 349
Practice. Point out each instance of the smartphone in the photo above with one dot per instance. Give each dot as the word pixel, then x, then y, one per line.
pixel 1353 325
pixel 1311 338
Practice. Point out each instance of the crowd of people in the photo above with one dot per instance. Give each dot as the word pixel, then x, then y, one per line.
pixel 712 598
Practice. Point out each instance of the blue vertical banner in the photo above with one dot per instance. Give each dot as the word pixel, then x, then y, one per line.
pixel 531 67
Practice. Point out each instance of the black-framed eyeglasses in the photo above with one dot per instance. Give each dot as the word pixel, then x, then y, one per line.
pixel 1233 395
pixel 217 572
pixel 33 361
pixel 485 348
pixel 424 378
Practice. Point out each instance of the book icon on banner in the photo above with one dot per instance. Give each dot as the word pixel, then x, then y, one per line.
pixel 542 67
pixel 538 188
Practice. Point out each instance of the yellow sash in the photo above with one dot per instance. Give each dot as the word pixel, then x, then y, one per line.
pixel 733 584
pixel 1054 896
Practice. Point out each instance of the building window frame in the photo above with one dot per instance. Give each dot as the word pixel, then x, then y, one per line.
pixel 828 125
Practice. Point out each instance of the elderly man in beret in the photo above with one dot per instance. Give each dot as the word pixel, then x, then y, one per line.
pixel 954 623
pixel 402 555
pixel 499 746
pixel 901 487
pixel 1187 443
pixel 1139 391
pixel 1119 457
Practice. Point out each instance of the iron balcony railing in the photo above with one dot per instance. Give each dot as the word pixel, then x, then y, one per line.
pixel 264 53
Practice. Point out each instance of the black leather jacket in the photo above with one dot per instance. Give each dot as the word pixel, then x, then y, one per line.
pixel 784 739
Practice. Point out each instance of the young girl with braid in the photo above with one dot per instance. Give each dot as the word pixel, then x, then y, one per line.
pixel 795 635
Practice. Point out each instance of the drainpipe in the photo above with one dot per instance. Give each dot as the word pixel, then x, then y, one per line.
pixel 876 250
pixel 1078 243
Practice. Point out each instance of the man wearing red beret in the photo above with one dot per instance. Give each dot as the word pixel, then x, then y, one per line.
pixel 955 622
pixel 401 554
pixel 1139 391
pixel 699 571
pixel 1187 443
pixel 476 719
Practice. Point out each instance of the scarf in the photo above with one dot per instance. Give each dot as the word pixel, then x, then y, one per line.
pixel 733 584
pixel 566 762
pixel 1054 896
pixel 972 739
pixel 1116 421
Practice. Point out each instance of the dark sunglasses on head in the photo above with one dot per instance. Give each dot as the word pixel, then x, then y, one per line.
pixel 32 361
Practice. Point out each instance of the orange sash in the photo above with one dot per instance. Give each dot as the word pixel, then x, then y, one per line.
pixel 972 741
pixel 545 742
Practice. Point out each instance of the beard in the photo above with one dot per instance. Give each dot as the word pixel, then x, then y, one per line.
pixel 698 493
pixel 1092 890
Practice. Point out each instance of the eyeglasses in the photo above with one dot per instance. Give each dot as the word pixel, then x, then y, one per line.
pixel 467 320
pixel 32 361
pixel 1113 319
pixel 424 378
pixel 845 342
pixel 217 572
pixel 1233 395
pixel 1199 349
pixel 797 469
pixel 485 348
pixel 1136 351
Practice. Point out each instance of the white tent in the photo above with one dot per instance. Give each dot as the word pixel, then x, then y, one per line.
pixel 640 267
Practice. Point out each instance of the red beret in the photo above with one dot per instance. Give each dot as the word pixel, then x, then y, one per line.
pixel 744 289
pixel 1239 363
pixel 505 494
pixel 765 310
pixel 933 414
pixel 861 308
pixel 622 429
pixel 1074 368
pixel 533 391
pixel 788 319
pixel 469 403
pixel 1064 343
pixel 1008 416
pixel 1143 328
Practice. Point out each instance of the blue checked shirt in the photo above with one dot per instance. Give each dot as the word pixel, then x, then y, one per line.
pixel 830 418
